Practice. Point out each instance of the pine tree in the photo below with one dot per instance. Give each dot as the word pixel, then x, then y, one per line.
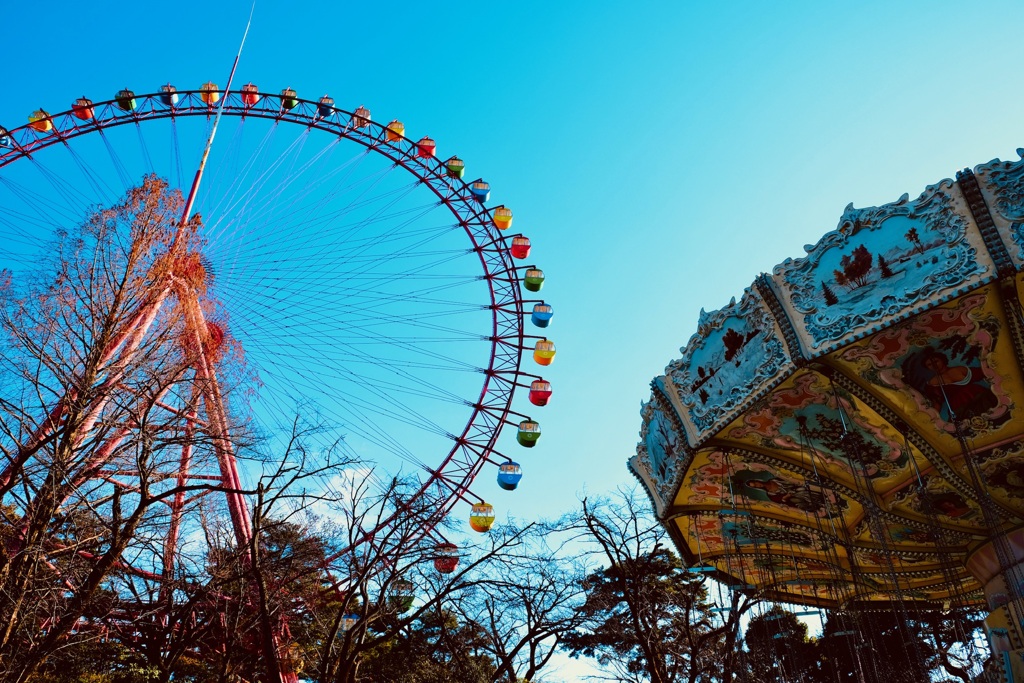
pixel 883 267
pixel 830 297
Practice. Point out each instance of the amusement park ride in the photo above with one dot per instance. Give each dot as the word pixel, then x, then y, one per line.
pixel 850 434
pixel 361 274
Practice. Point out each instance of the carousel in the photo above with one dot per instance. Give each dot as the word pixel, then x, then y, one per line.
pixel 849 434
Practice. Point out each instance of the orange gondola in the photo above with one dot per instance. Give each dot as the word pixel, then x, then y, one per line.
pixel 544 352
pixel 209 93
pixel 502 218
pixel 40 121
pixel 395 131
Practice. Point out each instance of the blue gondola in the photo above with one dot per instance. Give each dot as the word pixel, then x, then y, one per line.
pixel 542 314
pixel 326 106
pixel 509 474
pixel 169 95
pixel 480 190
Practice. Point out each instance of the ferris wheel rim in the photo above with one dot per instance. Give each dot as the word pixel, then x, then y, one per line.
pixel 449 481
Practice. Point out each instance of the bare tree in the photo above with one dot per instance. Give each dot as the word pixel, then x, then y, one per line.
pixel 527 606
pixel 386 577
pixel 121 528
pixel 97 406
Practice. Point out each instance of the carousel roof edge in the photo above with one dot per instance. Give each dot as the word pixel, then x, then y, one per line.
pixel 878 267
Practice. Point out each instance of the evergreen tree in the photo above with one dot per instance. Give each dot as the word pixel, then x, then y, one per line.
pixel 777 648
pixel 883 267
pixel 830 297
pixel 646 617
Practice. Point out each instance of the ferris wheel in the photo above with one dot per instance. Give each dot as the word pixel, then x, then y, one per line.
pixel 366 283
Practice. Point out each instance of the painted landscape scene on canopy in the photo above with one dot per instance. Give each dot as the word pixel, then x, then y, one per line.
pixel 735 352
pixel 918 538
pixel 819 589
pixel 820 422
pixel 943 359
pixel 880 262
pixel 660 441
pixel 736 484
pixel 761 534
pixel 785 565
pixel 876 560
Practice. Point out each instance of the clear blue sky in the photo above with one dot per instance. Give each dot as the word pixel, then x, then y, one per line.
pixel 659 154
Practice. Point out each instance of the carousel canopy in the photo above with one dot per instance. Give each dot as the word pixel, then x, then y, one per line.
pixel 851 430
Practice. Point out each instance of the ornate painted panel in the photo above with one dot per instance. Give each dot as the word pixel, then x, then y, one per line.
pixel 882 264
pixel 661 451
pixel 1002 468
pixel 1002 186
pixel 935 499
pixel 737 354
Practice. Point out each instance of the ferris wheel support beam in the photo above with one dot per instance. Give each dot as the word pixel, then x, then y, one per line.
pixel 190 200
pixel 279 634
pixel 178 505
pixel 91 470
pixel 131 336
pixel 217 417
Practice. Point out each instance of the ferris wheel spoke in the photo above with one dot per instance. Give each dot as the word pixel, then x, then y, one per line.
pixel 45 208
pixel 386 405
pixel 324 260
pixel 144 150
pixel 370 333
pixel 285 230
pixel 355 417
pixel 391 366
pixel 118 164
pixel 336 368
pixel 236 196
pixel 101 189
